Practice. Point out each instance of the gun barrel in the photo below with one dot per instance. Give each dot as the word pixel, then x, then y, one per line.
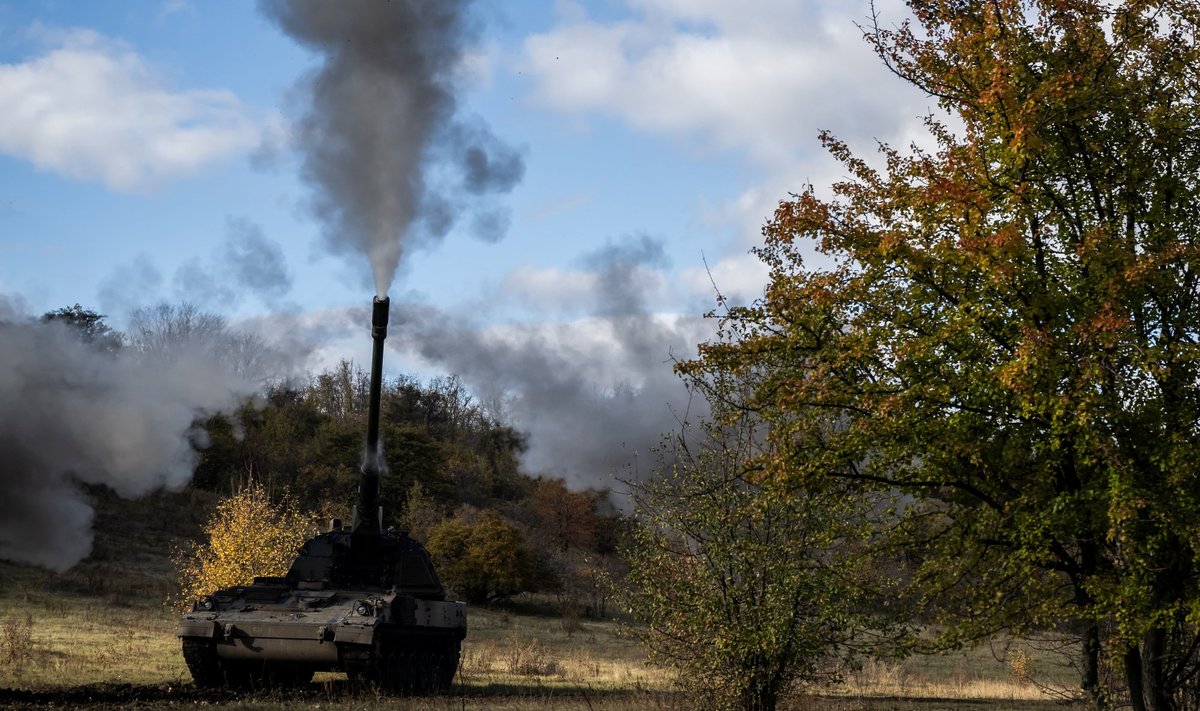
pixel 366 521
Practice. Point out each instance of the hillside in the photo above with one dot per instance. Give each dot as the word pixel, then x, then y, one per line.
pixel 130 562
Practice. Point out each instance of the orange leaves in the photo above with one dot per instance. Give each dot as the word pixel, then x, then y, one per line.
pixel 568 518
pixel 1019 373
pixel 1109 321
pixel 803 215
pixel 1004 241
pixel 821 290
pixel 948 184
pixel 1168 261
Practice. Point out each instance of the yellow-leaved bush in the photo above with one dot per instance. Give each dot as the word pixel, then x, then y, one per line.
pixel 248 535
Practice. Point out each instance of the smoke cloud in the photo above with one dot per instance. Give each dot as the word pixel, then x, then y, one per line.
pixel 70 415
pixel 380 143
pixel 255 262
pixel 594 396
pixel 245 263
pixel 131 284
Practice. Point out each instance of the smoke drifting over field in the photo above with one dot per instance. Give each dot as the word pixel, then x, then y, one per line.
pixel 70 415
pixel 593 396
pixel 382 112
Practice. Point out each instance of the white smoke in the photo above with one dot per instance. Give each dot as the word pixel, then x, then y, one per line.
pixel 71 415
pixel 595 395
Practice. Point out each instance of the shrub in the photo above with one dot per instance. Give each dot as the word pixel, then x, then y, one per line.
pixel 484 561
pixel 248 535
pixel 17 646
pixel 744 592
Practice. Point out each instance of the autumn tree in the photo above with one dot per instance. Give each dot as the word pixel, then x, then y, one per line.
pixel 1006 331
pixel 743 587
pixel 248 535
pixel 566 518
pixel 340 393
pixel 421 513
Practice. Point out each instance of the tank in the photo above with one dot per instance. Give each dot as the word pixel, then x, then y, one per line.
pixel 358 599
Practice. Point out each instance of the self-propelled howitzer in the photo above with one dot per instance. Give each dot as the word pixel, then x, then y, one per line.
pixel 358 599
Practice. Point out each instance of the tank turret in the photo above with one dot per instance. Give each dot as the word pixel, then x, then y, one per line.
pixel 358 599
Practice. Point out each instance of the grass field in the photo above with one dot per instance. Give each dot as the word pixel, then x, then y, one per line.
pixel 100 635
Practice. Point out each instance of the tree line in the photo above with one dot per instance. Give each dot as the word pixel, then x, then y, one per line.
pixel 453 478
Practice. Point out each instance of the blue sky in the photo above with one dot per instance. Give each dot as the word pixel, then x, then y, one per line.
pixel 624 138
pixel 144 140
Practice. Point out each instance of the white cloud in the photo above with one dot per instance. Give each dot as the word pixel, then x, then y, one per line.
pixel 784 18
pixel 173 7
pixel 757 80
pixel 91 109
pixel 562 288
pixel 759 77
pixel 740 279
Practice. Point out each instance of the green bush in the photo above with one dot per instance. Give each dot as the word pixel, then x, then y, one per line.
pixel 484 561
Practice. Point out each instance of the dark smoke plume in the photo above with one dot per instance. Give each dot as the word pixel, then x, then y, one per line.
pixel 593 396
pixel 71 415
pixel 382 115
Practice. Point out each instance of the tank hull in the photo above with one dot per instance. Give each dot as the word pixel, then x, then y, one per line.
pixel 268 635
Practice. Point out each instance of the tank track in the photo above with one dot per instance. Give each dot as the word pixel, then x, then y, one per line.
pixel 203 663
pixel 405 664
pixel 209 670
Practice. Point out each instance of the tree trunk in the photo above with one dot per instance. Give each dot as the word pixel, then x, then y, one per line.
pixel 1091 668
pixel 1154 645
pixel 762 693
pixel 1133 678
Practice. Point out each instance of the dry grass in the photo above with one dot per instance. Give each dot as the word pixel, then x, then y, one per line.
pixel 509 650
pixel 104 624
pixel 1008 670
pixel 63 639
pixel 882 678
pixel 74 639
pixel 510 663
